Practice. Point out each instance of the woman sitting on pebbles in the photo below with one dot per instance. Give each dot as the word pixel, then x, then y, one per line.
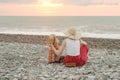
pixel 76 49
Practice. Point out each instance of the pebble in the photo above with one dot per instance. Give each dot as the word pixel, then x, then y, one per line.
pixel 15 79
pixel 20 61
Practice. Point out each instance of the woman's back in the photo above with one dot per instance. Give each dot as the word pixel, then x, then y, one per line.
pixel 72 47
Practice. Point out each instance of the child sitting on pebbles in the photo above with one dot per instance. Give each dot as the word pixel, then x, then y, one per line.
pixel 52 57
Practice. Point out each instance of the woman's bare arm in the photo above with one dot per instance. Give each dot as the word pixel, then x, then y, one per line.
pixel 60 50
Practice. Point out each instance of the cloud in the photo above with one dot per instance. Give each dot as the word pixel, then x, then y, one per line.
pixel 90 2
pixel 17 1
pixel 112 2
pixel 78 2
pixel 73 2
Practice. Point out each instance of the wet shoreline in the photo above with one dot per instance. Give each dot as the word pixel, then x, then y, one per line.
pixel 40 39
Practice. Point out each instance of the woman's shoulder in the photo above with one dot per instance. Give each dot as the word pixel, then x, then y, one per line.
pixel 64 41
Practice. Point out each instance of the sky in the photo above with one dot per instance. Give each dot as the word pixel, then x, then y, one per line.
pixel 59 7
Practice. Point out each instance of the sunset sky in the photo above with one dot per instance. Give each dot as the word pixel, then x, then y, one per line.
pixel 59 7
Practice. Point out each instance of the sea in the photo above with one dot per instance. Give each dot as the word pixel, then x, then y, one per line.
pixel 91 26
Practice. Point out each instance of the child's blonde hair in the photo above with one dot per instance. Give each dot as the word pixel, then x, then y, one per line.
pixel 51 39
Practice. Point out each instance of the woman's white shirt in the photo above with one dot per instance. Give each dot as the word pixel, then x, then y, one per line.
pixel 72 47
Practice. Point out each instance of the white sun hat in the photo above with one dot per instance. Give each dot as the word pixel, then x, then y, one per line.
pixel 72 33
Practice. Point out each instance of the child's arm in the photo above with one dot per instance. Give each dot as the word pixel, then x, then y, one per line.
pixel 60 50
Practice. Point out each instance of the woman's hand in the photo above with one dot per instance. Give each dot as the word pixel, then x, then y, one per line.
pixel 83 42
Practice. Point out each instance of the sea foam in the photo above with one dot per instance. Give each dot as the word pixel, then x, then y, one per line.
pixel 89 35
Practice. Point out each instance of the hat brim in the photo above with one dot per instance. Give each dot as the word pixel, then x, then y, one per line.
pixel 77 36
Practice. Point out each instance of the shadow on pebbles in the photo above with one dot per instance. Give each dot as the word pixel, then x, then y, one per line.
pixel 20 61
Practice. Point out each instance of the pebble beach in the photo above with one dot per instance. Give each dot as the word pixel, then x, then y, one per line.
pixel 26 61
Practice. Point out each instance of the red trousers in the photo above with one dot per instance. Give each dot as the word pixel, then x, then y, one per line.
pixel 79 60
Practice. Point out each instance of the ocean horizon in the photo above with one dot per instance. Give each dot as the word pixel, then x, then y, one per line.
pixel 88 25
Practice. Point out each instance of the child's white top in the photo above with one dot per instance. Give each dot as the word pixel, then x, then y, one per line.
pixel 72 47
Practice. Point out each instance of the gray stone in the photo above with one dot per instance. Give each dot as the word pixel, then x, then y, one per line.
pixel 56 77
pixel 33 64
pixel 91 78
pixel 15 79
